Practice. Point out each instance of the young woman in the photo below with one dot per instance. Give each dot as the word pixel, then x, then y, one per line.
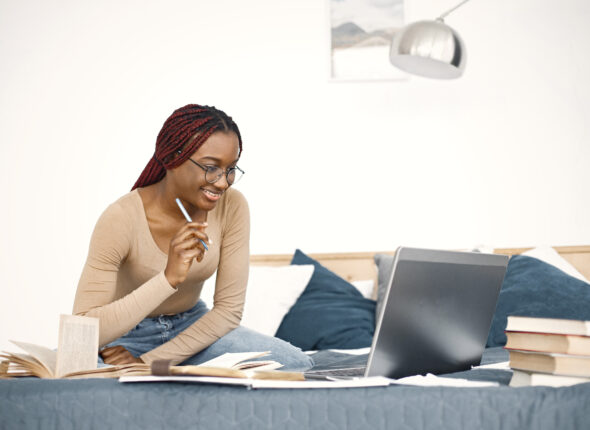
pixel 146 264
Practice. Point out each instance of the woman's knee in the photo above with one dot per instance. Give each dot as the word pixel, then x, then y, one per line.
pixel 291 357
pixel 295 360
pixel 243 339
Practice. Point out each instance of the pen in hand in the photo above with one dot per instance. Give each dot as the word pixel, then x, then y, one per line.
pixel 189 219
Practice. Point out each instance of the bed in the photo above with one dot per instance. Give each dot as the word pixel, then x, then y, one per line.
pixel 93 403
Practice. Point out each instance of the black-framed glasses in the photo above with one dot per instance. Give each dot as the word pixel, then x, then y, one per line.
pixel 214 173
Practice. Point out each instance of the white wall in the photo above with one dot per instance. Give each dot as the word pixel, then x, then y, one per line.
pixel 499 157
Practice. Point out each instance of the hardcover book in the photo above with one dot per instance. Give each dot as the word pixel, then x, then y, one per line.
pixel 547 342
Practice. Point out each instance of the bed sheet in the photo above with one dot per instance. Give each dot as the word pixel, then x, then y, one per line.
pixel 94 403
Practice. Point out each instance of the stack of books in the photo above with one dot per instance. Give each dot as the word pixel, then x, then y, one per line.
pixel 548 351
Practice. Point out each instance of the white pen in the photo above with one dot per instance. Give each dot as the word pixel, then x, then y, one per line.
pixel 189 219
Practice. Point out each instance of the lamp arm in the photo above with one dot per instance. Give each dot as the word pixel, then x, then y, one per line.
pixel 441 18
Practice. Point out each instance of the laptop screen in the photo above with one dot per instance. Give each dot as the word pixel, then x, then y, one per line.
pixel 437 313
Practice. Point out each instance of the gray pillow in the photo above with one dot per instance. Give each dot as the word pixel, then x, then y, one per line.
pixel 384 264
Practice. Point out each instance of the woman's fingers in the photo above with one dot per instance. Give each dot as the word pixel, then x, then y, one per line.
pixel 189 249
pixel 109 351
pixel 190 242
pixel 197 252
pixel 111 355
pixel 192 229
pixel 117 355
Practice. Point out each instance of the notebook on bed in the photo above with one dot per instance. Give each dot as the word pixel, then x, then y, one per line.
pixel 436 317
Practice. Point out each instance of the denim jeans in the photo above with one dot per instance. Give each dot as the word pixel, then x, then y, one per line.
pixel 153 332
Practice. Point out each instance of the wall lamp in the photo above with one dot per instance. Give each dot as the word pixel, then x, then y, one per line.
pixel 429 48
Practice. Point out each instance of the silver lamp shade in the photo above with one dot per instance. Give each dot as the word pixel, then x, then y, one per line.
pixel 429 48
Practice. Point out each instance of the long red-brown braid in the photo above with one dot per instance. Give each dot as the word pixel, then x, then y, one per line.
pixel 192 121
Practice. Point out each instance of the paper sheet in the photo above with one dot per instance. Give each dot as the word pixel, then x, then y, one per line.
pixel 505 365
pixel 359 351
pixel 375 381
pixel 431 380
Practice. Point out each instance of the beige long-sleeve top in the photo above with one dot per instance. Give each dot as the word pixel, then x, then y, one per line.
pixel 123 279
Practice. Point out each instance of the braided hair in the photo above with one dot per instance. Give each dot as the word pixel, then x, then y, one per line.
pixel 181 135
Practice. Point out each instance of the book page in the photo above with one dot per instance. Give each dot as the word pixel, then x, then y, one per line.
pixel 231 360
pixel 45 356
pixel 18 364
pixel 110 371
pixel 258 365
pixel 77 344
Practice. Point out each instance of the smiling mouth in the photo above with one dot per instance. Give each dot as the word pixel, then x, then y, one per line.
pixel 212 194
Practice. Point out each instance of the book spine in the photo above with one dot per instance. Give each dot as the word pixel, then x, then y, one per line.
pixel 558 364
pixel 523 378
pixel 547 342
pixel 548 325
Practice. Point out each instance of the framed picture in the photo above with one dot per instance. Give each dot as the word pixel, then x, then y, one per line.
pixel 360 39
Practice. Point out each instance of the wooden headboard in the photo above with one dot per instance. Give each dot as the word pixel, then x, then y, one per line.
pixel 577 256
pixel 356 266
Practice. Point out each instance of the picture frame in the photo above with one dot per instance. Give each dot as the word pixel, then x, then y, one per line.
pixel 360 39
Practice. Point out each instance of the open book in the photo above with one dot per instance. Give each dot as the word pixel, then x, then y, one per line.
pixel 237 361
pixel 41 362
pixel 76 355
pixel 230 365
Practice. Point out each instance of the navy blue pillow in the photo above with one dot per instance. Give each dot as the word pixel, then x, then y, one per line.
pixel 330 313
pixel 534 288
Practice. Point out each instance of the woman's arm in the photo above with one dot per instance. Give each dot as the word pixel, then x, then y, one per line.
pixel 230 288
pixel 97 294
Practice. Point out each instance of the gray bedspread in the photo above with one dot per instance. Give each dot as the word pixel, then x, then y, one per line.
pixel 106 404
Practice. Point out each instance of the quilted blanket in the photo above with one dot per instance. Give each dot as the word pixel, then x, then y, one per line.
pixel 107 404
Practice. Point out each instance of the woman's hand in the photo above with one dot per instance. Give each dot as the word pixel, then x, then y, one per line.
pixel 118 355
pixel 184 247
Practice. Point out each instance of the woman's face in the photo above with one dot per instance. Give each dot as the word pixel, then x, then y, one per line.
pixel 221 150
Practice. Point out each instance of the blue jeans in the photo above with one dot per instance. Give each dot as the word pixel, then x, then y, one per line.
pixel 153 332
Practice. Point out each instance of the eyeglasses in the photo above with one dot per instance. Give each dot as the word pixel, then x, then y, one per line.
pixel 214 173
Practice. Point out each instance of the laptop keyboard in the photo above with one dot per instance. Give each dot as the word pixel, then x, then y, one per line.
pixel 349 372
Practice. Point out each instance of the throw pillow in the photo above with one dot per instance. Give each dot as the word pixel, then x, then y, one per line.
pixel 330 313
pixel 534 288
pixel 547 254
pixel 365 287
pixel 551 256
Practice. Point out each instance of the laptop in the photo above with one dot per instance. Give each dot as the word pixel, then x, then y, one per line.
pixel 436 316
